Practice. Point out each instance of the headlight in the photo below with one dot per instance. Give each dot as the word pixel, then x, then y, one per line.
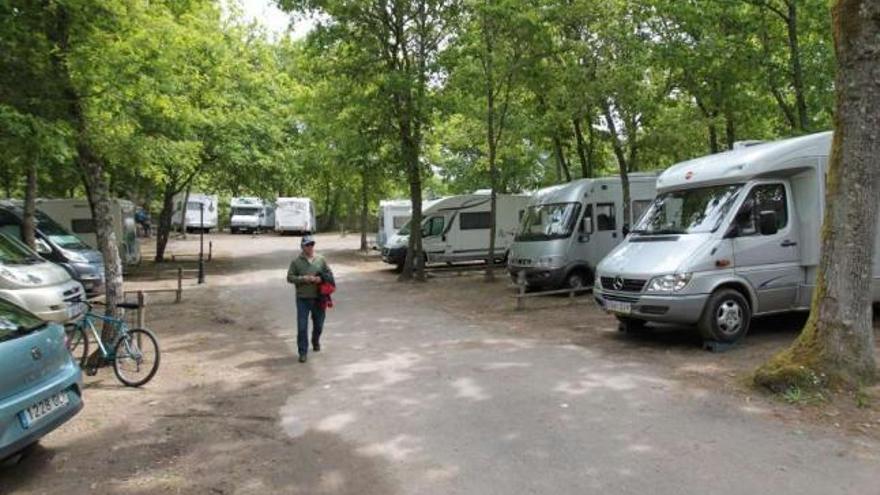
pixel 25 279
pixel 669 283
pixel 75 257
pixel 550 262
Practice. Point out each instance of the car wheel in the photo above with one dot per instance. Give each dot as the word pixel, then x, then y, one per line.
pixel 726 317
pixel 631 325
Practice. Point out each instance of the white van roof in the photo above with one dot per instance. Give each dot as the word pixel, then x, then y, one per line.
pixel 574 191
pixel 746 163
pixel 246 201
pixel 395 203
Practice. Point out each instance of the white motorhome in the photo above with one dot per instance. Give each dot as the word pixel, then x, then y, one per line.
pixel 393 214
pixel 75 215
pixel 729 237
pixel 295 215
pixel 194 208
pixel 569 228
pixel 249 214
pixel 456 229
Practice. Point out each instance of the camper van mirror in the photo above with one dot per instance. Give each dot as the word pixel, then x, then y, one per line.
pixel 42 247
pixel 768 223
pixel 587 225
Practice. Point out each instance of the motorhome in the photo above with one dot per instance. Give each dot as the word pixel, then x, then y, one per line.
pixel 456 229
pixel 295 215
pixel 250 214
pixel 730 236
pixel 197 205
pixel 393 214
pixel 75 215
pixel 567 229
pixel 56 244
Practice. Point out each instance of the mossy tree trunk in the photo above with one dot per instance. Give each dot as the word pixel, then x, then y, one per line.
pixel 836 348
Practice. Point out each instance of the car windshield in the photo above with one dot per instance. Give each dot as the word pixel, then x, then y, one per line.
pixel 15 321
pixel 690 211
pixel 13 252
pixel 550 221
pixel 245 211
pixel 57 234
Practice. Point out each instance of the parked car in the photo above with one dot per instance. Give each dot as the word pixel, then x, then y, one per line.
pixel 40 385
pixel 55 244
pixel 43 288
pixel 730 236
pixel 569 228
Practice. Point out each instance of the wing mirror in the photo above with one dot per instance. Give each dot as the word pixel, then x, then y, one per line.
pixel 768 225
pixel 42 247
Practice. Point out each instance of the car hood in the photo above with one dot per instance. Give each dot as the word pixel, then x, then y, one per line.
pixel 641 256
pixel 42 274
pixel 28 360
pixel 397 241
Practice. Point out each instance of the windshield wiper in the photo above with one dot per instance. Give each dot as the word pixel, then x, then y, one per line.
pixel 658 232
pixel 24 330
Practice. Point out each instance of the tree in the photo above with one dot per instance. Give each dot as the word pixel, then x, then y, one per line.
pixel 836 347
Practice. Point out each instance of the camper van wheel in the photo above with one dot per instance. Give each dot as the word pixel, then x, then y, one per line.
pixel 726 317
pixel 576 280
pixel 630 325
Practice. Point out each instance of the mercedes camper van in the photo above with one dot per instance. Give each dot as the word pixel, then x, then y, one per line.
pixel 393 214
pixel 250 215
pixel 569 228
pixel 729 237
pixel 456 229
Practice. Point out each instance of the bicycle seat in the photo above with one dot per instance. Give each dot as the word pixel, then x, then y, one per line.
pixel 127 305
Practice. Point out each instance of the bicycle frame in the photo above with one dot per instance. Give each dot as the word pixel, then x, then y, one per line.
pixel 120 327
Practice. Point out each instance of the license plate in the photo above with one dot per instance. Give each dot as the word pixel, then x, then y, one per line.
pixel 43 408
pixel 73 310
pixel 623 308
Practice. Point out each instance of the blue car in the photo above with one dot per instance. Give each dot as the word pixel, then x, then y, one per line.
pixel 40 385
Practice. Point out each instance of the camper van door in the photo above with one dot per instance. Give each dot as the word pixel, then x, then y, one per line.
pixel 606 218
pixel 469 235
pixel 434 238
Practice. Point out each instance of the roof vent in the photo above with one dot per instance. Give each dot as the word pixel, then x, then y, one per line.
pixel 738 145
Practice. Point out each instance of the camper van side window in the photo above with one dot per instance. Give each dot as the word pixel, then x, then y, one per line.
pixel 605 217
pixel 638 209
pixel 400 221
pixel 769 197
pixel 474 220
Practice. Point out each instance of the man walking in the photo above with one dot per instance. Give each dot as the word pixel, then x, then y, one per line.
pixel 306 273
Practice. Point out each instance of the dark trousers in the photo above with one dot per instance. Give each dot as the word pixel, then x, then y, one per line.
pixel 304 307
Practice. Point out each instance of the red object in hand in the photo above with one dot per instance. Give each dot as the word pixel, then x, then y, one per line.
pixel 325 289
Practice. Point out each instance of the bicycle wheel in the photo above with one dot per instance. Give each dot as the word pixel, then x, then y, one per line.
pixel 77 342
pixel 137 357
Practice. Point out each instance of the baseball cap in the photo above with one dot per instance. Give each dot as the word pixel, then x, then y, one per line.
pixel 306 240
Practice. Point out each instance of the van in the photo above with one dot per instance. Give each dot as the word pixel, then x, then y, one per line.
pixel 197 205
pixel 41 287
pixel 393 214
pixel 456 229
pixel 295 215
pixel 730 237
pixel 75 216
pixel 250 214
pixel 569 228
pixel 55 244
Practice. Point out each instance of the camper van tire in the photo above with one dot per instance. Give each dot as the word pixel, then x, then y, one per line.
pixel 631 325
pixel 726 317
pixel 577 279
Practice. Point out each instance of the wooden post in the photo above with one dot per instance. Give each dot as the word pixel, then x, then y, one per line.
pixel 210 250
pixel 179 285
pixel 142 308
pixel 521 282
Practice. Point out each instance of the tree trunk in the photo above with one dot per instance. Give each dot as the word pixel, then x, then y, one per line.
pixel 414 264
pixel 165 219
pixel 183 210
pixel 797 73
pixel 28 223
pixel 586 162
pixel 836 347
pixel 710 125
pixel 623 166
pixel 562 165
pixel 364 213
pixel 729 128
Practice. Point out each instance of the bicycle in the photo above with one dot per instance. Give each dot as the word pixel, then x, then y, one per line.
pixel 134 354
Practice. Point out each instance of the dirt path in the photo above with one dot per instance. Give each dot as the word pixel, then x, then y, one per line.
pixel 415 393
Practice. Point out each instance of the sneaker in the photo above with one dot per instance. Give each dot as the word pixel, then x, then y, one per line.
pixel 302 358
pixel 316 347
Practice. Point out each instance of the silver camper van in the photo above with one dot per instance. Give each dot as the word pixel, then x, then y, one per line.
pixel 567 229
pixel 729 237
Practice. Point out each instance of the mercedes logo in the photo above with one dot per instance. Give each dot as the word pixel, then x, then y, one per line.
pixel 36 353
pixel 618 283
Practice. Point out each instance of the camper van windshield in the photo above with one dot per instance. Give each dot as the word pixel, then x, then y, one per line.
pixel 405 229
pixel 12 252
pixel 57 234
pixel 551 221
pixel 690 211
